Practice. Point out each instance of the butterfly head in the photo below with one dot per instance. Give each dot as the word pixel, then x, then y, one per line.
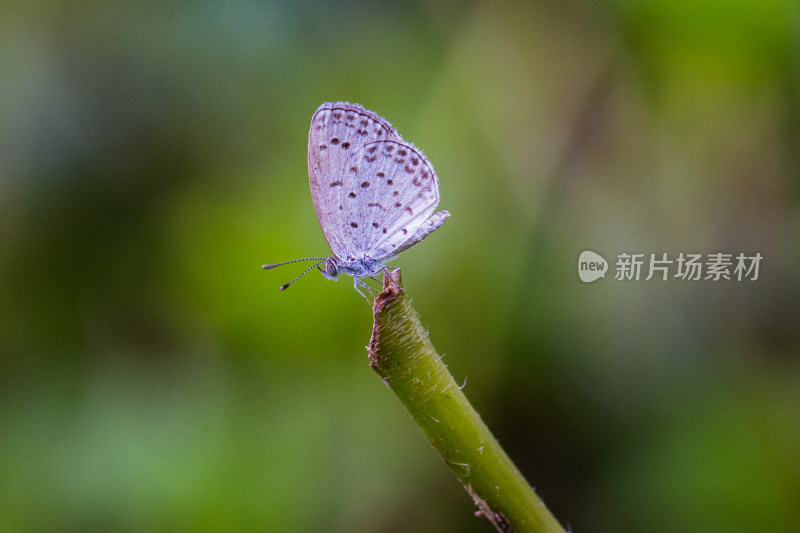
pixel 331 270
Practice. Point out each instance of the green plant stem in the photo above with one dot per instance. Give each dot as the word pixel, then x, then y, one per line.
pixel 402 354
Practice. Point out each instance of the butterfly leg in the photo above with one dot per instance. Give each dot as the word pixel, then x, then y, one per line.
pixel 357 283
pixel 386 269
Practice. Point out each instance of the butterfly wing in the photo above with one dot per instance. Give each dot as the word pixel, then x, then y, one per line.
pixel 338 132
pixel 391 195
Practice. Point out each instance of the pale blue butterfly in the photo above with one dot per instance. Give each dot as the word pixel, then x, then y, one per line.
pixel 374 193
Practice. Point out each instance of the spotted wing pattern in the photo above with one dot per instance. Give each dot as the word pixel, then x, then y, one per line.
pixel 398 193
pixel 338 131
pixel 374 193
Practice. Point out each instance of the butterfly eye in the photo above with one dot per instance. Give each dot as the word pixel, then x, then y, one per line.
pixel 331 269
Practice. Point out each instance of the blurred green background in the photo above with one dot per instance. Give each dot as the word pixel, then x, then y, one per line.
pixel 153 156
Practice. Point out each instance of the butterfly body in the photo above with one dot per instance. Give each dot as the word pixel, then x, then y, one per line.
pixel 359 268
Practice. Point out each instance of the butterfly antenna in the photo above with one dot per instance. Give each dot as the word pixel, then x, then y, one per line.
pixel 285 286
pixel 267 267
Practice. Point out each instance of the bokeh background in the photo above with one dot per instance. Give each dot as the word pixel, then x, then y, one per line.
pixel 153 156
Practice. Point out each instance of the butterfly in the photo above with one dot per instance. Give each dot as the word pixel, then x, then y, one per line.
pixel 375 194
